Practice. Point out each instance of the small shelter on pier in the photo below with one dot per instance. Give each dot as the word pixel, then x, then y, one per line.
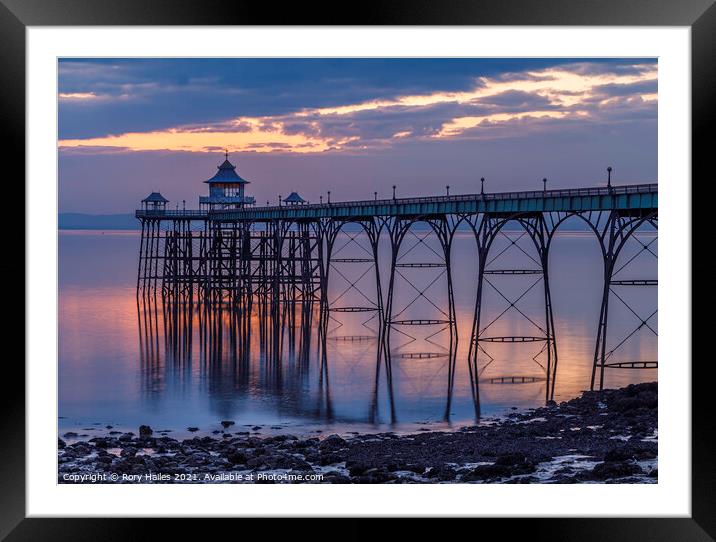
pixel 154 202
pixel 226 189
pixel 294 199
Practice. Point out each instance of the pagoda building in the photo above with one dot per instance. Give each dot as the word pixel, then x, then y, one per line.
pixel 226 189
pixel 294 199
pixel 155 202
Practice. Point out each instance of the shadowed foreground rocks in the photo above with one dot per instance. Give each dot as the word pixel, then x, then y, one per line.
pixel 600 437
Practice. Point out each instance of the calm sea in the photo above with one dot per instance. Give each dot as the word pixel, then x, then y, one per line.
pixel 114 369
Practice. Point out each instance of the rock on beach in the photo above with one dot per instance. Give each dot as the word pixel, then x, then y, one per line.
pixel 599 437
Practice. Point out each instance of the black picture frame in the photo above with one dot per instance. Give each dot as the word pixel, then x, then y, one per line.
pixel 699 15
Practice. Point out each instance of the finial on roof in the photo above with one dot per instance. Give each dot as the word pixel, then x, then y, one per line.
pixel 226 153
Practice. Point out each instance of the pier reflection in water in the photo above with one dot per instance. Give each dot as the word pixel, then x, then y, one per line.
pixel 195 367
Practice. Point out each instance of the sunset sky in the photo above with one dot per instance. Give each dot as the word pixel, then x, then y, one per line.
pixel 131 126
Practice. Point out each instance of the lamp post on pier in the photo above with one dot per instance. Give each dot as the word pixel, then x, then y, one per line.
pixel 393 191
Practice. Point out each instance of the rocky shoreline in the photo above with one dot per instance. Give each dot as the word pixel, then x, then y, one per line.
pixel 600 437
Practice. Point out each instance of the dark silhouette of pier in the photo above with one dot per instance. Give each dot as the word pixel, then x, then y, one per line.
pixel 231 260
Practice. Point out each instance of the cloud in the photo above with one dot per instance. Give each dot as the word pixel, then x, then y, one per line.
pixel 536 99
pixel 639 88
pixel 77 95
pixel 254 136
pixel 465 124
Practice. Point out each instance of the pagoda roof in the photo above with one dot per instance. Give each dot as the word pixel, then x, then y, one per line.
pixel 227 174
pixel 155 197
pixel 293 197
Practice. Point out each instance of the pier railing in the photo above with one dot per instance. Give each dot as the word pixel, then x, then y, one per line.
pixel 615 196
pixel 153 213
pixel 570 192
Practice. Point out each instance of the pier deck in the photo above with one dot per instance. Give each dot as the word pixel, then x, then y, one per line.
pixel 635 196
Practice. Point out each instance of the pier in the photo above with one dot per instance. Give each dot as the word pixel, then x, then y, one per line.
pixel 231 257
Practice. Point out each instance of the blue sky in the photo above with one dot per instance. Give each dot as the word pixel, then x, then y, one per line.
pixel 130 126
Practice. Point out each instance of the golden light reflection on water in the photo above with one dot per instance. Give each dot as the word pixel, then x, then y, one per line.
pixel 127 364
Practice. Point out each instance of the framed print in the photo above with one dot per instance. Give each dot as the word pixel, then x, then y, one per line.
pixel 403 265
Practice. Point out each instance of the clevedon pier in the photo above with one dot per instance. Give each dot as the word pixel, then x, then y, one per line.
pixel 233 262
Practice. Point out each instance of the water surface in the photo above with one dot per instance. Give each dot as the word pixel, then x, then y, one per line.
pixel 119 365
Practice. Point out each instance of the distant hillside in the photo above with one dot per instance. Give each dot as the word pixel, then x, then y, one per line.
pixel 80 221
